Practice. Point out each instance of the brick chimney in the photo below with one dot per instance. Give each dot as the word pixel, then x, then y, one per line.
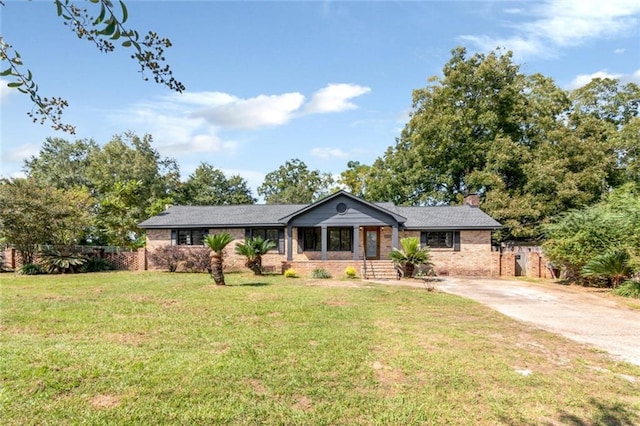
pixel 472 200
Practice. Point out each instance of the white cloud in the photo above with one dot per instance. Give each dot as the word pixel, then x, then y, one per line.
pixel 326 153
pixel 20 153
pixel 4 89
pixel 192 122
pixel 561 24
pixel 335 98
pixel 583 79
pixel 619 51
pixel 253 113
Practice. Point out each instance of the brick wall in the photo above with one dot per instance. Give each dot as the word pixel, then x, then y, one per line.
pixel 128 261
pixel 507 264
pixel 475 257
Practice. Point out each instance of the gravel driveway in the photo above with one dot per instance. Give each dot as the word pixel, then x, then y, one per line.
pixel 573 313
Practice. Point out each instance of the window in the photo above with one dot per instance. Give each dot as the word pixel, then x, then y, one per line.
pixel 339 239
pixel 266 233
pixel 188 237
pixel 311 239
pixel 437 239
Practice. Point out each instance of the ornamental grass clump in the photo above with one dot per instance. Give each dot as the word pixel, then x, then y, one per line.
pixel 320 273
pixel 629 288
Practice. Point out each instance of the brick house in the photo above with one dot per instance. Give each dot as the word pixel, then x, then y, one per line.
pixel 336 232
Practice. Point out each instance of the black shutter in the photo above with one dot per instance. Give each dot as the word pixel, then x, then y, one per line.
pixel 247 233
pixel 281 241
pixel 174 237
pixel 456 241
pixel 423 239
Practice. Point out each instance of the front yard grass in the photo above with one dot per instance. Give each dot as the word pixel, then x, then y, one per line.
pixel 160 348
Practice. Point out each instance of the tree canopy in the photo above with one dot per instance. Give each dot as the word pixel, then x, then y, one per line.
pixel 33 214
pixel 208 186
pixel 127 178
pixel 294 183
pixel 530 149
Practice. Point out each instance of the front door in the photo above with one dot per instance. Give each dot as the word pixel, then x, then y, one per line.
pixel 372 243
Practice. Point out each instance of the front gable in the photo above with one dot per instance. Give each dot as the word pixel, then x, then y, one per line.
pixel 343 210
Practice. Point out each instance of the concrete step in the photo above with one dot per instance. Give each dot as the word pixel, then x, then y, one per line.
pixel 380 270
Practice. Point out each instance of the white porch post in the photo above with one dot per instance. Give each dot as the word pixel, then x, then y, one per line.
pixel 323 238
pixel 289 242
pixel 356 243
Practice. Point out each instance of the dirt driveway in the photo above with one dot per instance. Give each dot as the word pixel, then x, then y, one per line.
pixel 574 313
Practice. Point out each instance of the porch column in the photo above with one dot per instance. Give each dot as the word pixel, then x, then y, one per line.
pixel 394 236
pixel 289 242
pixel 323 237
pixel 356 242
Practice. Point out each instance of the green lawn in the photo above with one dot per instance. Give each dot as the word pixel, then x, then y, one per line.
pixel 160 348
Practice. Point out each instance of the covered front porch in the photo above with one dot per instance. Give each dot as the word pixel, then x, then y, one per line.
pixel 328 243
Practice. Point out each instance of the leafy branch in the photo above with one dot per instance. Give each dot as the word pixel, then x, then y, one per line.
pixel 108 27
pixel 103 31
pixel 44 108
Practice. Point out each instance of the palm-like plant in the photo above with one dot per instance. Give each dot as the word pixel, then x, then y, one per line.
pixel 410 256
pixel 253 249
pixel 217 243
pixel 614 265
pixel 61 262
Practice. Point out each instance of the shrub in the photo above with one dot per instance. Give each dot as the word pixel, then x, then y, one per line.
pixel 629 288
pixel 350 272
pixel 198 259
pixel 61 262
pixel 167 257
pixel 410 256
pixel 30 269
pixel 253 249
pixel 613 265
pixel 97 264
pixel 290 273
pixel 320 273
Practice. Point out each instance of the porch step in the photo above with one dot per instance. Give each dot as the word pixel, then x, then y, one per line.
pixel 379 270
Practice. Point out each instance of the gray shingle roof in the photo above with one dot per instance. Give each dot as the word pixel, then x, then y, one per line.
pixel 440 217
pixel 447 217
pixel 221 216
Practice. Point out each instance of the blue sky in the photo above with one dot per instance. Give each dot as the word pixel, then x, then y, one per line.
pixel 326 82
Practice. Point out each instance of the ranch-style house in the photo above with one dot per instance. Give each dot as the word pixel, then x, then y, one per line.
pixel 338 231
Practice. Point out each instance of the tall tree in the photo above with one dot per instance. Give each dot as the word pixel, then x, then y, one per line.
pixel 127 177
pixel 208 186
pixel 355 178
pixel 33 214
pixel 294 183
pixel 529 148
pixel 132 182
pixel 454 122
pixel 103 28
pixel 61 163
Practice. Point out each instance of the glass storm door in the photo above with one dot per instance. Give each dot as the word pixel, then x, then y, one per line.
pixel 372 243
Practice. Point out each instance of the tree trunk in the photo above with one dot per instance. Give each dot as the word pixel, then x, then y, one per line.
pixel 216 268
pixel 408 270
